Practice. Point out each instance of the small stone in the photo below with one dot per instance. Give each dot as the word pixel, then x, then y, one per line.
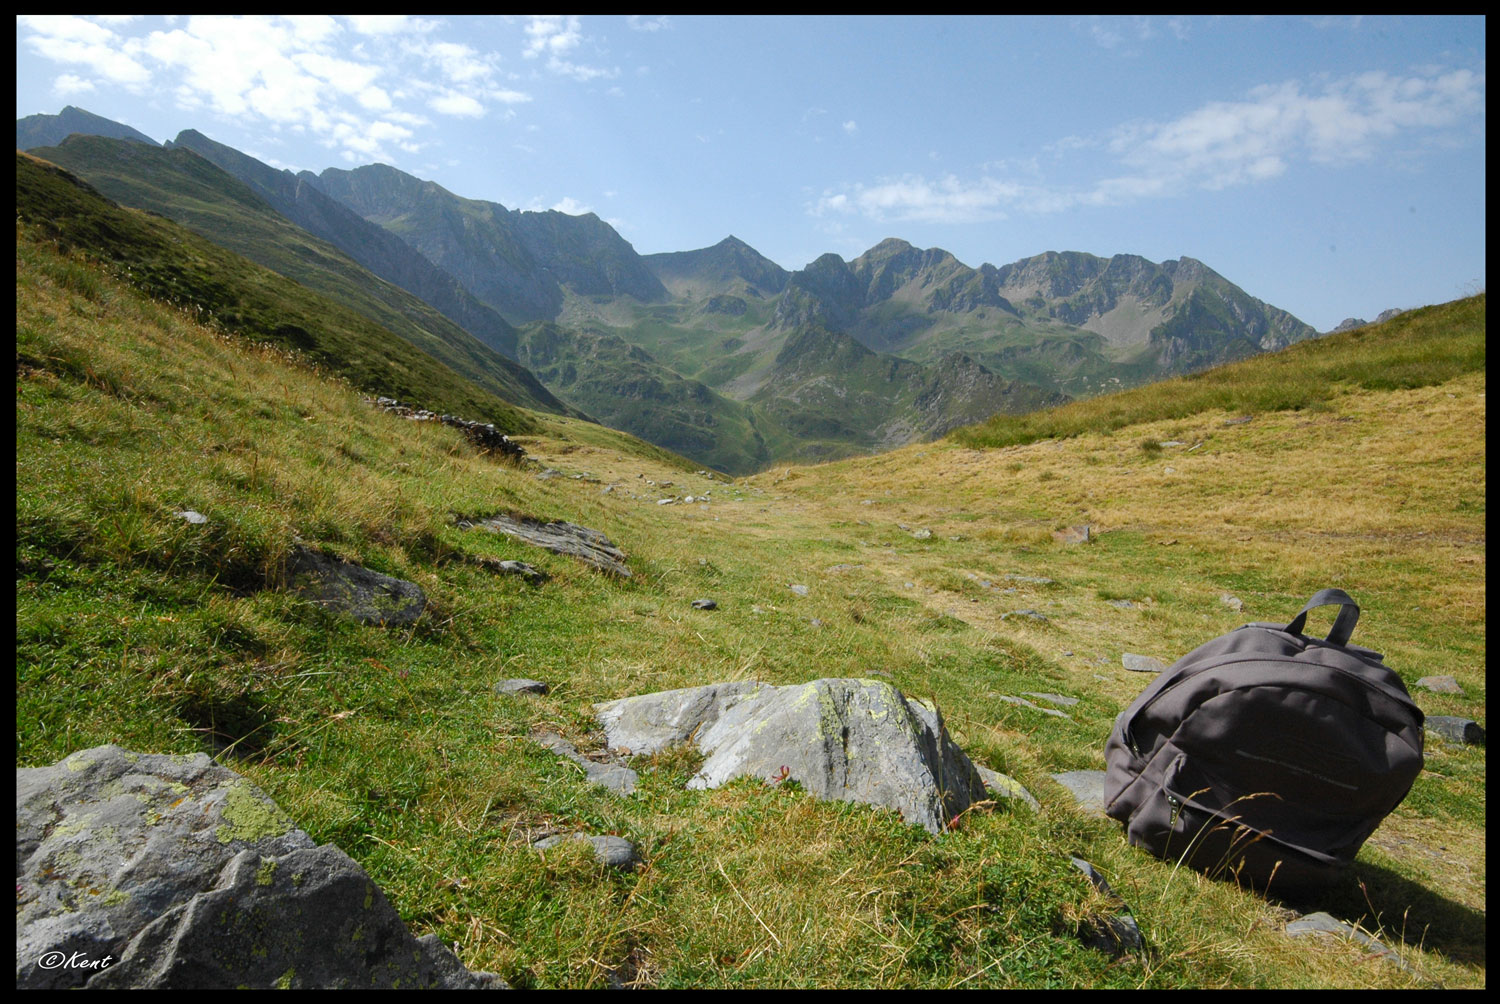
pixel 1066 702
pixel 814 622
pixel 519 686
pixel 1006 787
pixel 1035 580
pixel 612 852
pixel 1238 421
pixel 1087 787
pixel 1027 704
pixel 1141 663
pixel 1324 923
pixel 1232 602
pixel 1122 604
pixel 1072 535
pixel 1170 470
pixel 191 516
pixel 1035 615
pixel 705 605
pixel 799 590
pixel 1459 730
pixel 1116 935
pixel 665 501
pixel 549 474
pixel 1440 684
pixel 922 534
pixel 1173 442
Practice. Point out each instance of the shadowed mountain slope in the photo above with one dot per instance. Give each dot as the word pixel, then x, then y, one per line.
pixel 171 263
pixel 182 186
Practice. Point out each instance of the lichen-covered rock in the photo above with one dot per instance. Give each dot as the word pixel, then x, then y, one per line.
pixel 368 597
pixel 855 740
pixel 174 872
pixel 580 542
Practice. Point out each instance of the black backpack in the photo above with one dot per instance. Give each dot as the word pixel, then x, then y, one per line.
pixel 1266 756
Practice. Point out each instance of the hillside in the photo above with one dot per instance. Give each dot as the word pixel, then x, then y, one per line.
pixel 922 567
pixel 183 186
pixel 746 357
pixel 235 295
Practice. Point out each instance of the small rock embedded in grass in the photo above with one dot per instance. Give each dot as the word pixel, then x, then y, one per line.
pixel 1006 787
pixel 1066 702
pixel 1035 615
pixel 520 686
pixel 1324 923
pixel 1440 684
pixel 1072 535
pixel 1141 663
pixel 1087 787
pixel 507 567
pixel 612 852
pixel 1459 730
pixel 1232 602
pixel 799 590
pixel 357 592
pixel 1027 704
pixel 1114 936
pixel 705 605
pixel 191 516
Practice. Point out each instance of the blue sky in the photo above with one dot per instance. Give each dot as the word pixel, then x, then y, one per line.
pixel 1329 166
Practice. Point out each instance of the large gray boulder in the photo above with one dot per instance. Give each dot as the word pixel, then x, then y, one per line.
pixel 149 870
pixel 855 740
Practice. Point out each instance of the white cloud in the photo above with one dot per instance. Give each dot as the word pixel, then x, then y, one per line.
pixel 642 22
pixel 346 80
pixel 948 199
pixel 453 103
pixel 571 206
pixel 73 40
pixel 67 85
pixel 851 127
pixel 388 24
pixel 553 35
pixel 1217 146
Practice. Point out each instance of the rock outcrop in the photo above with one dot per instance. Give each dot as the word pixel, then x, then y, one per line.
pixel 854 740
pixel 156 871
pixel 580 542
pixel 366 596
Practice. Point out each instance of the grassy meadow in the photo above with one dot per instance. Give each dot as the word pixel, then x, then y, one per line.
pixel 138 628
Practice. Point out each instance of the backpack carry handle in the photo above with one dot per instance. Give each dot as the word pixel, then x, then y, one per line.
pixel 1343 624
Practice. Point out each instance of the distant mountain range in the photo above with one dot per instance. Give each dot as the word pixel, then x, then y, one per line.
pixel 718 353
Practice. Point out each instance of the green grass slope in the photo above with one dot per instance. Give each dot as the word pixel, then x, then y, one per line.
pixel 172 263
pixel 1415 349
pixel 136 627
pixel 624 387
pixel 186 188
